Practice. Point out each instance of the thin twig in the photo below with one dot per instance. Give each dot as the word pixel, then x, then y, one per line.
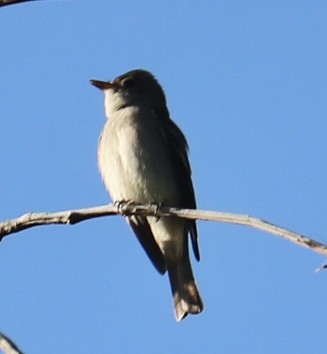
pixel 7 346
pixel 12 2
pixel 75 216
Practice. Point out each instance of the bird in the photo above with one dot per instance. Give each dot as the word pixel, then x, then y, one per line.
pixel 143 158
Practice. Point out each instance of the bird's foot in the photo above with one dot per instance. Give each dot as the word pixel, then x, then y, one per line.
pixel 157 207
pixel 120 204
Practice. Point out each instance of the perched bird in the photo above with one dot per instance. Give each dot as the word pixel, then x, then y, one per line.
pixel 142 157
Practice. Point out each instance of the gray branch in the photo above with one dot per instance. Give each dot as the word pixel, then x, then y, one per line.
pixel 7 346
pixel 12 2
pixel 72 217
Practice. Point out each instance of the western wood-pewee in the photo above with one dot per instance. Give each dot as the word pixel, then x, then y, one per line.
pixel 142 157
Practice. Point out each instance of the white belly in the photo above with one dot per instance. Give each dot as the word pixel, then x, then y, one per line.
pixel 133 159
pixel 135 166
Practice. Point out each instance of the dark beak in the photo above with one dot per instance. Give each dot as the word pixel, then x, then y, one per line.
pixel 103 85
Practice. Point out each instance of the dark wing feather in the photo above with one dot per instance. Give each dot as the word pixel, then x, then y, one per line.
pixel 178 150
pixel 144 234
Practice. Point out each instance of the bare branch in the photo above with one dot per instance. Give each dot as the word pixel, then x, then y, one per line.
pixel 7 346
pixel 75 216
pixel 12 2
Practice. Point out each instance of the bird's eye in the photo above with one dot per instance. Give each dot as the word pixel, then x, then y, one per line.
pixel 128 83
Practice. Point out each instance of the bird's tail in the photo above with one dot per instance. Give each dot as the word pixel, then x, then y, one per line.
pixel 185 293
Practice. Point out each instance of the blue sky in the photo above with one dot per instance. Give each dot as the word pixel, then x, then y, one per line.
pixel 247 83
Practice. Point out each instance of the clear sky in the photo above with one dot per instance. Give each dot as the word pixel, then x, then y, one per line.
pixel 247 83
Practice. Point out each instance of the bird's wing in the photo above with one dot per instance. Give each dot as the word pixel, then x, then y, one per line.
pixel 178 149
pixel 144 234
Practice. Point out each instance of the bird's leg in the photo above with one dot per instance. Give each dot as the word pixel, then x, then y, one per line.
pixel 157 207
pixel 121 203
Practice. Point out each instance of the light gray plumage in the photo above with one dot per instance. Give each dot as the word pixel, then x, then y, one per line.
pixel 142 158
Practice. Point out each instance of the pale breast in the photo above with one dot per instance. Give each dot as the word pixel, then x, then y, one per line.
pixel 133 159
